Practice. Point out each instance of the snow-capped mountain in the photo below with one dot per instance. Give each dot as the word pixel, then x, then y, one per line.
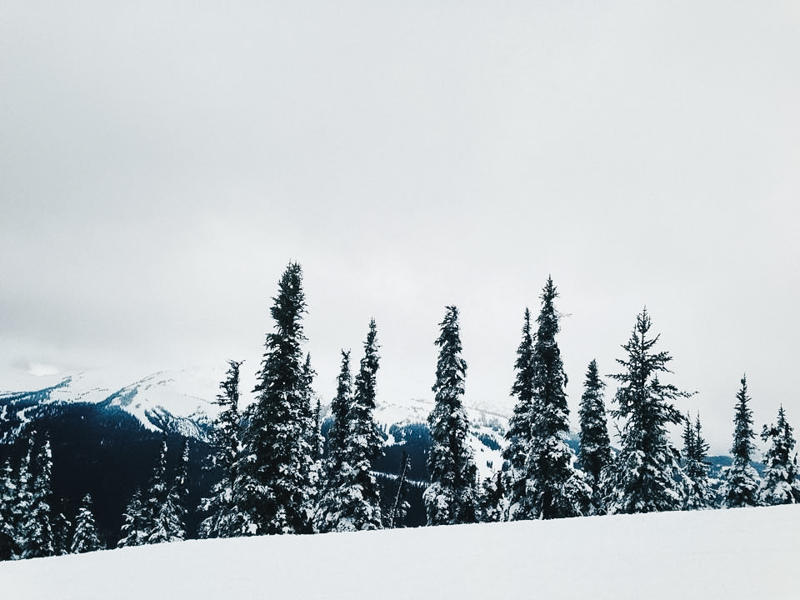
pixel 169 401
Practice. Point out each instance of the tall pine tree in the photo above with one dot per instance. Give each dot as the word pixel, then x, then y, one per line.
pixel 328 514
pixel 780 485
pixel 273 487
pixel 452 496
pixel 520 425
pixel 594 455
pixel 357 506
pixel 36 531
pixel 555 489
pixel 224 518
pixel 741 479
pixel 646 471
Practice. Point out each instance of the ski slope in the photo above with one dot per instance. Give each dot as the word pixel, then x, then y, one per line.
pixel 730 554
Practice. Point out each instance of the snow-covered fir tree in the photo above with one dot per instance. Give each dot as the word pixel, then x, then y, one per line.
pixel 272 486
pixel 520 425
pixel 780 484
pixel 224 518
pixel 594 455
pixel 8 513
pixel 313 432
pixel 170 515
pixel 351 501
pixel 135 523
pixel 85 538
pixel 555 489
pixel 741 479
pixel 646 472
pixel 328 512
pixel 697 493
pixel 452 496
pixel 35 530
pixel 490 499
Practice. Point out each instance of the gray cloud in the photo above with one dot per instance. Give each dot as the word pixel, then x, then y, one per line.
pixel 162 163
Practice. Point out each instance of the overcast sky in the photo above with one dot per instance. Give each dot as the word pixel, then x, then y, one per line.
pixel 161 163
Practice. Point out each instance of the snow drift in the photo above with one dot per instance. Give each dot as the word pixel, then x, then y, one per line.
pixel 740 553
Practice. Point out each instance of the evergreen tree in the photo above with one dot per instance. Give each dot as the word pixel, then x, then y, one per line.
pixel 36 528
pixel 520 425
pixel 62 538
pixel 8 514
pixel 780 485
pixel 224 518
pixel 400 506
pixel 490 499
pixel 352 498
pixel 272 487
pixel 452 495
pixel 594 455
pixel 169 523
pixel 85 538
pixel 741 479
pixel 313 431
pixel 646 471
pixel 328 513
pixel 555 489
pixel 698 494
pixel 135 525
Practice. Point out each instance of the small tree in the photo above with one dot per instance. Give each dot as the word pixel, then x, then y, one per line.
pixel 594 455
pixel 400 506
pixel 85 538
pixel 741 479
pixel 452 495
pixel 135 524
pixel 169 525
pixel 780 485
pixel 646 471
pixel 698 494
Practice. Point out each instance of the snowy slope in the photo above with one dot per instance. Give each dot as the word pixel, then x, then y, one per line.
pixel 731 554
pixel 485 435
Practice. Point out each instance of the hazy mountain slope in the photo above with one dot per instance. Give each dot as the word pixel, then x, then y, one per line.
pixel 731 554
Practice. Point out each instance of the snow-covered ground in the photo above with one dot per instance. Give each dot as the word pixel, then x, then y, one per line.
pixel 729 554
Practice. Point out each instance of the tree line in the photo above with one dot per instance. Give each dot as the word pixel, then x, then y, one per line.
pixel 279 474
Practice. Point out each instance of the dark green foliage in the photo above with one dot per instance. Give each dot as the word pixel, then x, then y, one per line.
pixel 555 489
pixel 224 518
pixel 272 487
pixel 520 426
pixel 490 499
pixel 594 455
pixel 741 480
pixel 780 485
pixel 35 503
pixel 452 496
pixel 698 493
pixel 351 500
pixel 85 538
pixel 646 471
pixel 135 524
